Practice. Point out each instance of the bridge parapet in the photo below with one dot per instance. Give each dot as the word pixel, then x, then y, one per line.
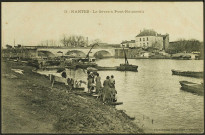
pixel 56 51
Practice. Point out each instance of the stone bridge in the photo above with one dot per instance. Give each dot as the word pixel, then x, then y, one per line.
pixel 78 52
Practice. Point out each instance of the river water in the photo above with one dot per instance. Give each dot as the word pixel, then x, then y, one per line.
pixel 153 96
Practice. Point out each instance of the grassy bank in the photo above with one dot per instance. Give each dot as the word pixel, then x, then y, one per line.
pixel 30 106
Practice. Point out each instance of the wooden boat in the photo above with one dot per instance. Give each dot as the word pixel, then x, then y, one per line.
pixel 188 73
pixel 106 68
pixel 92 69
pixel 181 56
pixel 116 103
pixel 83 63
pixel 192 87
pixel 79 88
pixel 127 66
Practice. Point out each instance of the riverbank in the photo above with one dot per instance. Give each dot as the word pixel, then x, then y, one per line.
pixel 30 106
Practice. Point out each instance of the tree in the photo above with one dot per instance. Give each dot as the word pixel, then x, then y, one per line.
pixel 73 40
pixel 63 41
pixel 183 45
pixel 8 46
pixel 80 40
pixel 96 41
pixel 156 45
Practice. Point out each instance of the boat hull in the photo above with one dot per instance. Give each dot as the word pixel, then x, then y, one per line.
pixel 106 68
pixel 125 67
pixel 79 89
pixel 192 87
pixel 188 73
pixel 81 65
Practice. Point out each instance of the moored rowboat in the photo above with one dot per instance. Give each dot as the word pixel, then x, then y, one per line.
pixel 192 87
pixel 188 73
pixel 127 67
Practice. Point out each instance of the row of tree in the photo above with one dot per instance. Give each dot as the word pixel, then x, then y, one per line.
pixel 67 40
pixel 183 45
pixel 74 41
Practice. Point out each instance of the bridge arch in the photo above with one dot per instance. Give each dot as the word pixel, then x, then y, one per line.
pixel 47 54
pixel 76 53
pixel 102 54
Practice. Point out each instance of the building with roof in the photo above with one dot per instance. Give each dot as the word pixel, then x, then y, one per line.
pixel 150 38
pixel 126 44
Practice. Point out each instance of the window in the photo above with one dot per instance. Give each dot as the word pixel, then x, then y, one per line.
pixel 143 39
pixel 147 43
pixel 140 39
pixel 147 38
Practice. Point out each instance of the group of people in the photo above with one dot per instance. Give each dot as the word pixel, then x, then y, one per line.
pixel 108 92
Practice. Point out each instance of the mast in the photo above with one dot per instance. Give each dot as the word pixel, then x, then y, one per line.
pixel 126 61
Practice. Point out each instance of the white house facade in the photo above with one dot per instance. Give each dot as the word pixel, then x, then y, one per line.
pixel 149 41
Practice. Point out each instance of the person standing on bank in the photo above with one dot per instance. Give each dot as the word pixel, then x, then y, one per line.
pixel 112 88
pixel 89 81
pixel 92 82
pixel 106 89
pixel 112 82
pixel 98 83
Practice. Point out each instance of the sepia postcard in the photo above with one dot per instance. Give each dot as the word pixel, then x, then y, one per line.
pixel 102 67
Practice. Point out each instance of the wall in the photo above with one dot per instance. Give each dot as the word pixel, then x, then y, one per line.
pixel 166 42
pixel 21 53
pixel 132 44
pixel 131 53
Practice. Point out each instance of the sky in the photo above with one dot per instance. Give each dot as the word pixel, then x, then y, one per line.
pixel 29 23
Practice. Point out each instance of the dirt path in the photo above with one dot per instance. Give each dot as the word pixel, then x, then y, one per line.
pixel 30 106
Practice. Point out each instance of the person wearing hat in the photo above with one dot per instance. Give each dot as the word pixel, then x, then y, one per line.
pixel 112 82
pixel 89 80
pixel 106 90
